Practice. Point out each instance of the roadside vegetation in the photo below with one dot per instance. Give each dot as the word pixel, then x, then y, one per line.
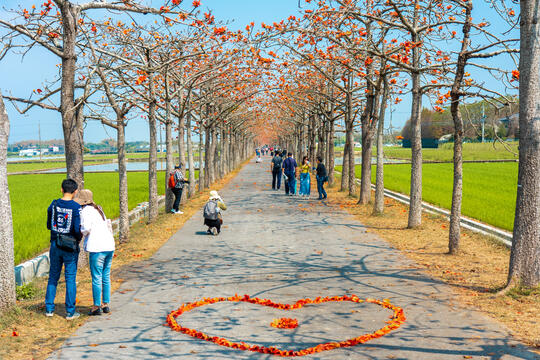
pixel 489 189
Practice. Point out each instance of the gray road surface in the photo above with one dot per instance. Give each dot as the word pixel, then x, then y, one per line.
pixel 270 248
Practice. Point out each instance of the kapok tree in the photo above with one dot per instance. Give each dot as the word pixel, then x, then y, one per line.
pixel 56 28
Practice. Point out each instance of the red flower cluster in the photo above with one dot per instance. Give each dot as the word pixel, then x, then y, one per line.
pixel 397 319
pixel 284 323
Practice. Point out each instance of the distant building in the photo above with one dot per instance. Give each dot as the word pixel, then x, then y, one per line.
pixel 28 152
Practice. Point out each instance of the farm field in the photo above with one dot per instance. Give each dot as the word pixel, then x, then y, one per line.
pixel 32 194
pixel 471 151
pixel 489 189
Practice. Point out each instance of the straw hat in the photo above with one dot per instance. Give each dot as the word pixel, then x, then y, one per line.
pixel 214 195
pixel 84 197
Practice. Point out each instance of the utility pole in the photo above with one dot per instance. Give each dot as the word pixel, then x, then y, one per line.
pixel 39 139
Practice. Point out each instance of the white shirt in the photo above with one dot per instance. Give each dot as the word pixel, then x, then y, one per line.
pixel 97 236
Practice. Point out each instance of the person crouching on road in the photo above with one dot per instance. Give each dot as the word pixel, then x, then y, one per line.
pixel 212 213
pixel 99 243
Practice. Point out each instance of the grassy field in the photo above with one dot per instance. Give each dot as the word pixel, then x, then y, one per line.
pixel 445 152
pixel 489 189
pixel 471 151
pixel 32 194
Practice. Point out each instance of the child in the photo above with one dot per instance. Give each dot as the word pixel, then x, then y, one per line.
pixel 64 222
pixel 212 213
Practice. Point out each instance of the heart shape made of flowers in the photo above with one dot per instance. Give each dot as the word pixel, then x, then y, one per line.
pixel 396 320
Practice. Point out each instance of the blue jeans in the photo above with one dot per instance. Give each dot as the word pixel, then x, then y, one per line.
pixel 291 184
pixel 276 179
pixel 305 183
pixel 100 268
pixel 59 257
pixel 320 187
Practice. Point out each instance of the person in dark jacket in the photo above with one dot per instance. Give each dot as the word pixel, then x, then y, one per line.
pixel 322 177
pixel 64 222
pixel 275 167
pixel 289 169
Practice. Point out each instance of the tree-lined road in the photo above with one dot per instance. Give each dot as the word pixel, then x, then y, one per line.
pixel 284 249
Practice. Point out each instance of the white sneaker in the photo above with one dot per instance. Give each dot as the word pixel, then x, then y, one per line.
pixel 179 212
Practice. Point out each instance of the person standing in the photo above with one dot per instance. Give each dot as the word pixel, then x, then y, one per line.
pixel 322 177
pixel 177 186
pixel 305 181
pixel 275 167
pixel 64 222
pixel 99 243
pixel 289 169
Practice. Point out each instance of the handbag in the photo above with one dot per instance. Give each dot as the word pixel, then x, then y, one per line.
pixel 65 242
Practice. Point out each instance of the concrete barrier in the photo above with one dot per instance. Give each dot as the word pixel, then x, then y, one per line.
pixel 39 266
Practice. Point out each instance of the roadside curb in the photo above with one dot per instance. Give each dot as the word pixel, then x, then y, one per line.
pixel 39 266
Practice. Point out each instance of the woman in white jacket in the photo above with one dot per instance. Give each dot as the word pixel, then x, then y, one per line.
pixel 99 243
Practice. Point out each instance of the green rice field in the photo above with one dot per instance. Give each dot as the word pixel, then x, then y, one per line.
pixel 445 152
pixel 489 189
pixel 32 194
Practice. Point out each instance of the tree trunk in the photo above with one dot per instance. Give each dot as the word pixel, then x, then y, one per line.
pixel 153 208
pixel 191 161
pixel 123 220
pixel 524 258
pixel 352 165
pixel 169 158
pixel 202 172
pixel 331 154
pixel 454 233
pixel 378 207
pixel 7 265
pixel 207 155
pixel 415 204
pixel 72 124
pixel 365 176
pixel 182 152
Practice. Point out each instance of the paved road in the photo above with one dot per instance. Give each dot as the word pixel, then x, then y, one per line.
pixel 273 248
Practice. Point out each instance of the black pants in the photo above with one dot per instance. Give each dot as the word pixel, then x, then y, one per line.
pixel 177 197
pixel 214 223
pixel 276 179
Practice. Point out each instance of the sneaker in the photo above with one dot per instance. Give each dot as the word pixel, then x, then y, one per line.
pixel 106 309
pixel 179 212
pixel 95 312
pixel 173 211
pixel 49 313
pixel 73 316
pixel 214 231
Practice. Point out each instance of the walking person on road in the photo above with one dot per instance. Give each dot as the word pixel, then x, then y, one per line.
pixel 322 177
pixel 275 167
pixel 212 213
pixel 305 181
pixel 64 222
pixel 99 243
pixel 176 184
pixel 289 169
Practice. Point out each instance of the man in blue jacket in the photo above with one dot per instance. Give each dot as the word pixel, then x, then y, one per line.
pixel 64 222
pixel 289 169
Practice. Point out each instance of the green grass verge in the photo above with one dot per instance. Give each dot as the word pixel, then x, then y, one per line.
pixel 32 194
pixel 489 189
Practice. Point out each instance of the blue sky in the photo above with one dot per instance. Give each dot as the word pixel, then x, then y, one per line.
pixel 20 77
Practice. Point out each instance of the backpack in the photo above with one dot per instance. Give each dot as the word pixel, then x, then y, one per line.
pixel 172 181
pixel 278 163
pixel 211 211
